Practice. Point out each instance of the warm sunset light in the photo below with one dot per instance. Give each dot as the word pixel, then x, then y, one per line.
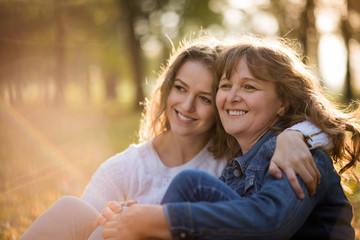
pixel 74 77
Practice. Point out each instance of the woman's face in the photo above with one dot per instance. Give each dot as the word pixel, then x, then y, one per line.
pixel 189 109
pixel 247 106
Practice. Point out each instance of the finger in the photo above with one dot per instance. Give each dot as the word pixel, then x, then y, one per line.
pixel 310 166
pixel 130 203
pixel 317 172
pixel 101 219
pixel 307 173
pixel 311 184
pixel 107 213
pixel 294 183
pixel 308 176
pixel 115 206
pixel 305 167
pixel 109 230
pixel 275 170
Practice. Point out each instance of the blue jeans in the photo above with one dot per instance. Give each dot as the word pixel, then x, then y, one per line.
pixel 194 185
pixel 199 206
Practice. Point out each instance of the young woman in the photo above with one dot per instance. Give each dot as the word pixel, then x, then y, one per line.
pixel 178 130
pixel 262 88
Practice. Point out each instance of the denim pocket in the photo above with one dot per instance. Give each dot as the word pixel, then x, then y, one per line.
pixel 250 186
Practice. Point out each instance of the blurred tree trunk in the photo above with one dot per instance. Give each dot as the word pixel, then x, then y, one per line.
pixel 307 33
pixel 128 8
pixel 354 5
pixel 59 13
pixel 348 94
pixel 110 86
pixel 349 33
pixel 11 50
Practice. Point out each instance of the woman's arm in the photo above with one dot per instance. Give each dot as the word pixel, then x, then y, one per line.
pixel 101 189
pixel 292 155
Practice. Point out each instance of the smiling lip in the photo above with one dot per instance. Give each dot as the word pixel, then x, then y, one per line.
pixel 236 113
pixel 183 118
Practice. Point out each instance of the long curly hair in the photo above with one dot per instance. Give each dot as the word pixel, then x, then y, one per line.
pixel 276 60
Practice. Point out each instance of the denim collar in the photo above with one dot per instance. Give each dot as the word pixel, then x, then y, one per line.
pixel 244 160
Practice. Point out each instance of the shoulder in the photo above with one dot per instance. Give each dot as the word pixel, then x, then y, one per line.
pixel 129 156
pixel 268 147
pixel 322 160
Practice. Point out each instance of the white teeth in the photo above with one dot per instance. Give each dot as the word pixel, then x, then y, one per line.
pixel 236 113
pixel 183 117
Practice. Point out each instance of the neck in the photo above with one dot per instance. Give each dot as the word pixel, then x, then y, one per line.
pixel 247 141
pixel 176 150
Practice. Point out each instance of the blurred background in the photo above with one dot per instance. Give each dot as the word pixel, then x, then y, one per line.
pixel 72 74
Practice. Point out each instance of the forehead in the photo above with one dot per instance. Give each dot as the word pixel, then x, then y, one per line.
pixel 195 73
pixel 238 68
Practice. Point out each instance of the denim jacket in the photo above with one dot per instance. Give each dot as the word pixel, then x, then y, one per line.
pixel 268 208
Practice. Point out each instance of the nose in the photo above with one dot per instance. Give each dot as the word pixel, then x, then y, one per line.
pixel 233 95
pixel 189 104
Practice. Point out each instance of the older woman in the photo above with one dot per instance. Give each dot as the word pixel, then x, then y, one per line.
pixel 262 88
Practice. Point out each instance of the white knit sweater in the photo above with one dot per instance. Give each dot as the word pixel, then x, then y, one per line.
pixel 138 174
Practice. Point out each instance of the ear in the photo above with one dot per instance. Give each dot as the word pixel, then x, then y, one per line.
pixel 283 107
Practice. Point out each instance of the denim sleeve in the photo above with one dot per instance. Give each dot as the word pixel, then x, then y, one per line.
pixel 272 213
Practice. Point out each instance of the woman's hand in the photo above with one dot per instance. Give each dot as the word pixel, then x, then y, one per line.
pixel 111 210
pixel 293 156
pixel 138 222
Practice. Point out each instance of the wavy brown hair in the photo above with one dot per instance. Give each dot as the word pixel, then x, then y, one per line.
pixel 154 120
pixel 276 61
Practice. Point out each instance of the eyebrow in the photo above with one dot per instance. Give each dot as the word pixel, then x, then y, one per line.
pixel 244 79
pixel 182 82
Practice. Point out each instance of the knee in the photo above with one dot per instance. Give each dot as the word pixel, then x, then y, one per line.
pixel 190 176
pixel 68 201
pixel 71 203
pixel 72 206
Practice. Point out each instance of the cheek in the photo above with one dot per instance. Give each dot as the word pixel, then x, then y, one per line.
pixel 269 107
pixel 218 100
pixel 209 114
pixel 171 98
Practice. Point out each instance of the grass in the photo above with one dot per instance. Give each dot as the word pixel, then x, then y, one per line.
pixel 47 152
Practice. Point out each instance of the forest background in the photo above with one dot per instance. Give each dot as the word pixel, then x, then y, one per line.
pixel 72 74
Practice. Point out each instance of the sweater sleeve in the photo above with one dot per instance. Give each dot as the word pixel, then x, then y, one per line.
pixel 315 137
pixel 107 184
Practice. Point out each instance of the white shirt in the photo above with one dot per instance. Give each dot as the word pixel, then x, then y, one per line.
pixel 138 174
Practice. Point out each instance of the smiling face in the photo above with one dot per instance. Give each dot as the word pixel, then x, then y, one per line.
pixel 189 108
pixel 248 107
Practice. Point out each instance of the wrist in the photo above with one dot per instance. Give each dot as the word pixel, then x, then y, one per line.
pixel 154 222
pixel 294 133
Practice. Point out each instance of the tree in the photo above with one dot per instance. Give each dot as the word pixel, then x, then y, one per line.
pixel 60 49
pixel 129 11
pixel 349 32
